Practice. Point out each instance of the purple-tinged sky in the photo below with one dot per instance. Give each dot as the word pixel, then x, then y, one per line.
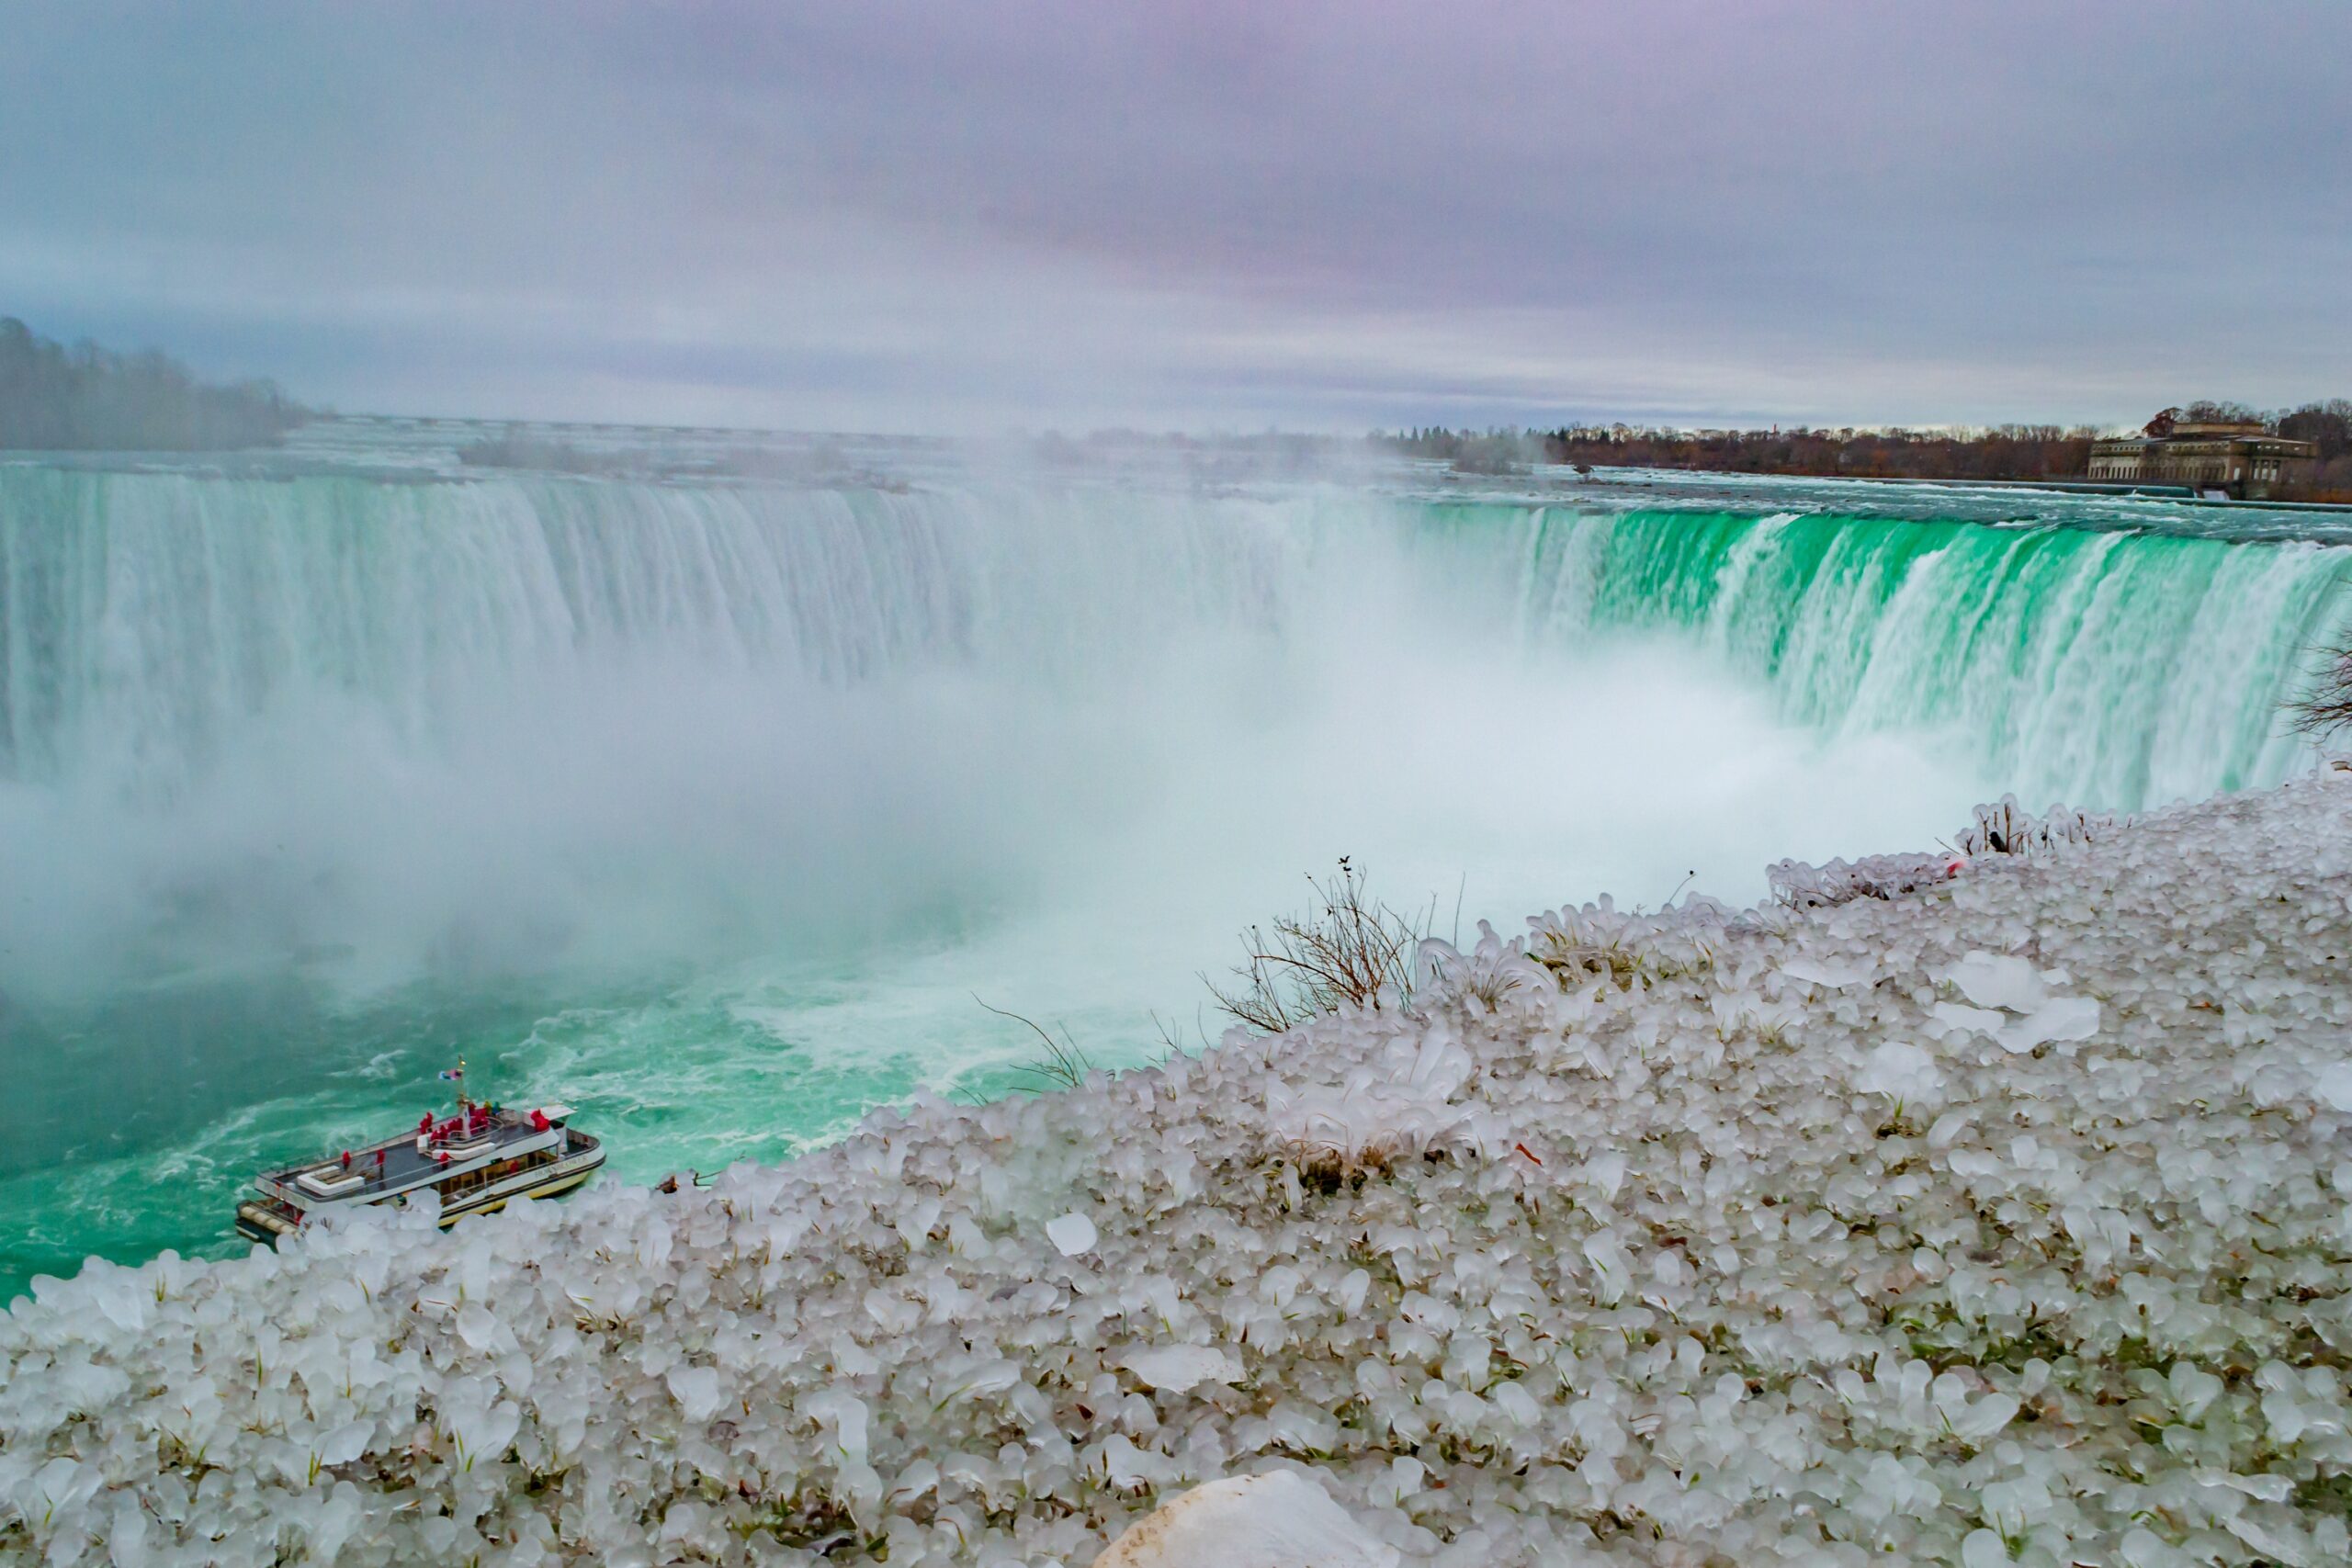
pixel 980 217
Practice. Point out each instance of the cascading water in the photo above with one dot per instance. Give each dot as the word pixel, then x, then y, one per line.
pixel 144 618
pixel 2096 668
pixel 711 806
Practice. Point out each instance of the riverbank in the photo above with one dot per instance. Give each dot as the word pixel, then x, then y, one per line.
pixel 1999 1220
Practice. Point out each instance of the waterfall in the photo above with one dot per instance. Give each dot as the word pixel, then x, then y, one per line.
pixel 142 616
pixel 501 718
pixel 148 614
pixel 2104 669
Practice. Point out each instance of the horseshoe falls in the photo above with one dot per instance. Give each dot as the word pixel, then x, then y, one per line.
pixel 721 809
pixel 2099 668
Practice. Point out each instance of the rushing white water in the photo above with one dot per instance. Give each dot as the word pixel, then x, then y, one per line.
pixel 499 724
pixel 713 805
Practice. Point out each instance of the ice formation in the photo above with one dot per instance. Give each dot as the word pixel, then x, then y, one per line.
pixel 2002 1220
pixel 1274 1520
pixel 2001 828
pixel 1803 886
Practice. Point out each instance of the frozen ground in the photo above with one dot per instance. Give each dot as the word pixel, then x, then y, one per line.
pixel 2002 1219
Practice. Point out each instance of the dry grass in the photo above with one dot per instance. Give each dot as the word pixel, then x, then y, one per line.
pixel 1064 1065
pixel 1576 953
pixel 1325 1166
pixel 1576 957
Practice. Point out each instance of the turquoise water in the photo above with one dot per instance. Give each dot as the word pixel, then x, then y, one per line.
pixel 719 810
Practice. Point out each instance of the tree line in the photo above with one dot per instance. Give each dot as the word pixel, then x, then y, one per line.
pixel 56 399
pixel 2002 452
pixel 2328 426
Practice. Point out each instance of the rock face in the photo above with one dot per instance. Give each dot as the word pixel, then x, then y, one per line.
pixel 1276 1520
pixel 2002 1219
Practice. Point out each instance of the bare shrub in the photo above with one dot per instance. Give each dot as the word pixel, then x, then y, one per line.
pixel 1346 951
pixel 2327 707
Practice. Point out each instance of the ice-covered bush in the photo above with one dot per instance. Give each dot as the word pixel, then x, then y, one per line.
pixel 1803 886
pixel 1405 1101
pixel 1626 948
pixel 2003 828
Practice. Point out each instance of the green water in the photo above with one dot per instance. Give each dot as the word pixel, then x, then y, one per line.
pixel 719 812
pixel 2096 668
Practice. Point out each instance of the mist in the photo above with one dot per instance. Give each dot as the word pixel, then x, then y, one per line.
pixel 1079 708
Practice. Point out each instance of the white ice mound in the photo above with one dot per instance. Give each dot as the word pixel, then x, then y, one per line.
pixel 2003 985
pixel 1180 1368
pixel 1277 1520
pixel 1072 1235
pixel 1900 1070
pixel 1993 981
pixel 2003 828
pixel 1400 1104
pixel 2000 835
pixel 1831 976
pixel 1803 886
pixel 2331 1084
pixel 2064 1018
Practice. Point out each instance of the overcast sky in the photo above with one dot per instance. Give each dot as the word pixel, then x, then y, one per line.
pixel 971 216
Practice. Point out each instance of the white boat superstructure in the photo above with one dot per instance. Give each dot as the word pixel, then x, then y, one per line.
pixel 474 1162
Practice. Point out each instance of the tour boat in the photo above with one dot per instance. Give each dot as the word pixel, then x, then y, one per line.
pixel 475 1162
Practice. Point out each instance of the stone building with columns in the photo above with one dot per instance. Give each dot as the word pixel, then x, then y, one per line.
pixel 2237 457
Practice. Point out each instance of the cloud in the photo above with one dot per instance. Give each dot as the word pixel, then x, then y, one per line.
pixel 973 216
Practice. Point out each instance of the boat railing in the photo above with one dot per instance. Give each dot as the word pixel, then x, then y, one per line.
pixel 377 1176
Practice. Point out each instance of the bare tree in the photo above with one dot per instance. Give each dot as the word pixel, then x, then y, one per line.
pixel 2327 707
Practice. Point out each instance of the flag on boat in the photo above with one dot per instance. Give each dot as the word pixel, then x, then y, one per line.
pixel 451 1075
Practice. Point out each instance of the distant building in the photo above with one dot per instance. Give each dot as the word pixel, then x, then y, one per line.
pixel 2237 457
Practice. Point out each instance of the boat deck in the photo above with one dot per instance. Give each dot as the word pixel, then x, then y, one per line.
pixel 404 1167
pixel 476 1161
